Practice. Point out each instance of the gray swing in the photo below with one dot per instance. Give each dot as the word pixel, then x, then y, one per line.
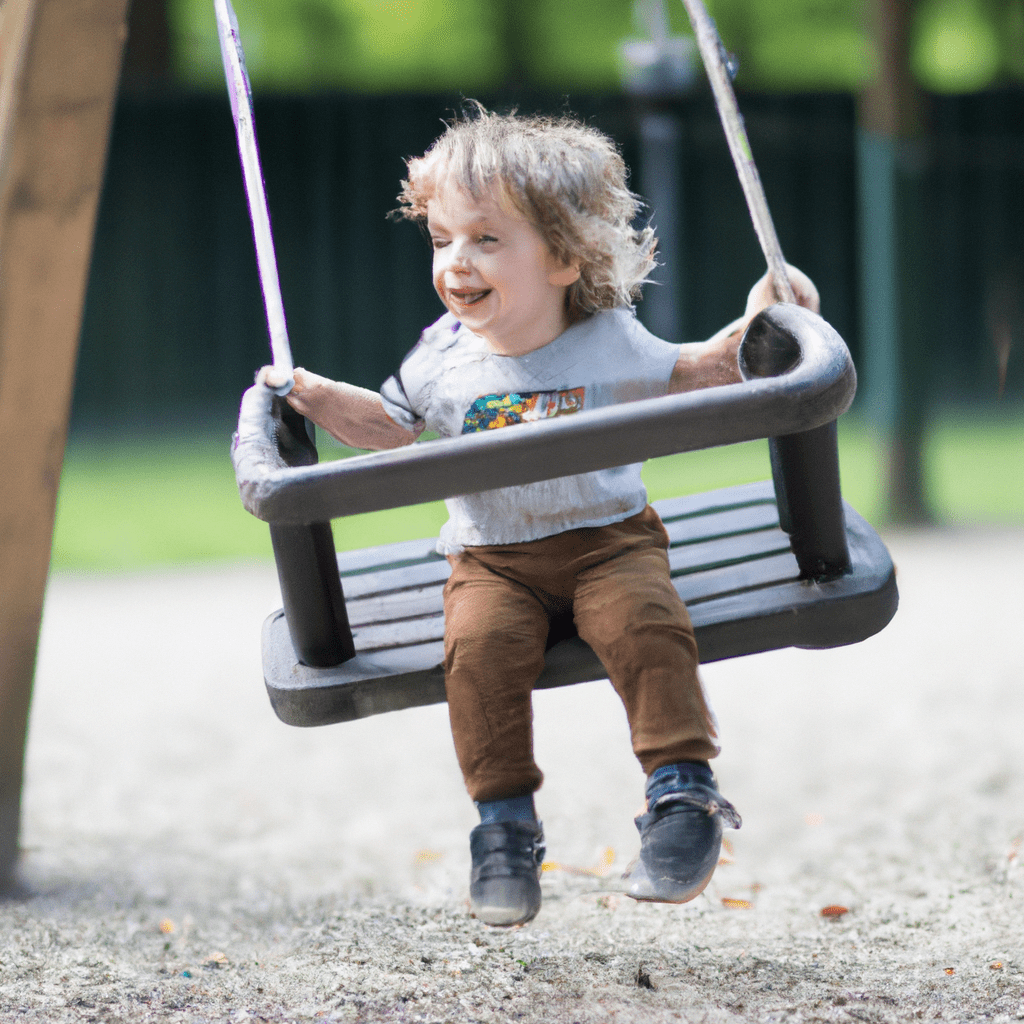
pixel 782 563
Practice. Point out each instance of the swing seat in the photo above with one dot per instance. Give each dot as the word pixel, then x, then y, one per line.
pixel 781 563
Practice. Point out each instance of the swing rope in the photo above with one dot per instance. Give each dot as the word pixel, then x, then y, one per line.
pixel 715 60
pixel 240 93
pixel 716 63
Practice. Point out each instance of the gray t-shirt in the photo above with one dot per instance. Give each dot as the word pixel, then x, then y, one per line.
pixel 453 383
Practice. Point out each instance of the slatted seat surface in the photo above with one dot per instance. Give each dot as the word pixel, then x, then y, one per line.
pixel 730 562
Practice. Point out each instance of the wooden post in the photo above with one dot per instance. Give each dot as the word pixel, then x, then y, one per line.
pixel 60 65
pixel 892 161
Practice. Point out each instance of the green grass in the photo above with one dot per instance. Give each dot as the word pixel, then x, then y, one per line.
pixel 165 500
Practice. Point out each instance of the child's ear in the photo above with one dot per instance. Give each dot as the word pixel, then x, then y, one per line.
pixel 564 275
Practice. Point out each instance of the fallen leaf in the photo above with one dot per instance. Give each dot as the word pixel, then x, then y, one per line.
pixel 732 904
pixel 951 970
pixel 607 860
pixel 426 856
pixel 997 966
pixel 834 910
pixel 167 926
pixel 570 869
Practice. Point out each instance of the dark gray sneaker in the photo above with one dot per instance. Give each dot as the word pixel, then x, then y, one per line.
pixel 680 835
pixel 504 887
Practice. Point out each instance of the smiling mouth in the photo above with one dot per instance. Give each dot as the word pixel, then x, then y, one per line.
pixel 469 298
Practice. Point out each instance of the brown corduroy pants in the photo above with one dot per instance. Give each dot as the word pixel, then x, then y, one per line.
pixel 614 579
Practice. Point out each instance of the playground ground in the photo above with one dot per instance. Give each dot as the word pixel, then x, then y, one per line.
pixel 187 858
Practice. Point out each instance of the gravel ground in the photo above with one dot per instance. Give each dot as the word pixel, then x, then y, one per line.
pixel 188 858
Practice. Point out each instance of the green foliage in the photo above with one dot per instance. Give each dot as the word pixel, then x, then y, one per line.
pixel 956 46
pixel 359 45
pixel 796 45
pixel 578 52
pixel 476 45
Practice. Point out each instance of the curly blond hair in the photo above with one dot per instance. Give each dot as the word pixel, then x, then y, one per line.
pixel 566 178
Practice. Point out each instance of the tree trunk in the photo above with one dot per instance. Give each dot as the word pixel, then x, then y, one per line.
pixel 147 51
pixel 893 248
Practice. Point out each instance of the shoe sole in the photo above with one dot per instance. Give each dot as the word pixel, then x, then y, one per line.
pixel 499 917
pixel 652 895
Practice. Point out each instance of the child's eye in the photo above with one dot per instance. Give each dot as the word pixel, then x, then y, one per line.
pixel 487 238
pixel 438 243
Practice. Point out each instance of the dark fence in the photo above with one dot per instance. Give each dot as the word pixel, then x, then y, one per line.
pixel 174 326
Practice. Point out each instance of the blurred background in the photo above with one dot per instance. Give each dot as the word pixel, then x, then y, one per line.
pixel 889 137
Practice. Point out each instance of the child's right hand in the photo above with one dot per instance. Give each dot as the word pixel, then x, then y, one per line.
pixel 353 415
pixel 305 391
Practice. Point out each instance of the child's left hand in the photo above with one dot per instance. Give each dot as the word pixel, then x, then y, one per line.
pixel 762 294
pixel 710 363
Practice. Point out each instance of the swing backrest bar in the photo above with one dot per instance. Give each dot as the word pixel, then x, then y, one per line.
pixel 800 379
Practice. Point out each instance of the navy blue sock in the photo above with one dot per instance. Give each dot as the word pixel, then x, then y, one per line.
pixel 671 778
pixel 512 808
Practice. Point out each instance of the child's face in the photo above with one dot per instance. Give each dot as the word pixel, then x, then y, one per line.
pixel 495 272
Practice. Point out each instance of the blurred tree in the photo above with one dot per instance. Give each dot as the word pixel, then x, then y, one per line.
pixel 509 19
pixel 893 239
pixel 578 47
pixel 477 45
pixel 147 55
pixel 1011 37
pixel 800 45
pixel 358 45
pixel 956 46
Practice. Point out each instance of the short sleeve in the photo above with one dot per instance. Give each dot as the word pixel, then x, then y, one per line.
pixel 397 405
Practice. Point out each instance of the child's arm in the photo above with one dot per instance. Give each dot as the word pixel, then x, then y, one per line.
pixel 353 415
pixel 706 364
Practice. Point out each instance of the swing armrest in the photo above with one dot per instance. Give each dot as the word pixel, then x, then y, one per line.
pixel 800 375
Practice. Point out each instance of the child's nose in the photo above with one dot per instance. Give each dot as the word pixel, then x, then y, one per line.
pixel 459 262
pixel 458 253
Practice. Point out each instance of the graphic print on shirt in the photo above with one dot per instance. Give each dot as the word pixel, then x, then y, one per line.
pixel 491 411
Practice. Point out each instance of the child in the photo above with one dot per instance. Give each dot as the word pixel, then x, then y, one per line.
pixel 536 260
